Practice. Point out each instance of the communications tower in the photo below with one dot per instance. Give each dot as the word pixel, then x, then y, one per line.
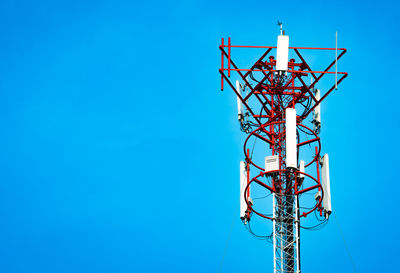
pixel 279 106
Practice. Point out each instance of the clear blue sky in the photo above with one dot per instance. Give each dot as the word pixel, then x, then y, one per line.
pixel 118 152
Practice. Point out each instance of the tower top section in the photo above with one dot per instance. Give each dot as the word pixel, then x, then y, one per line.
pixel 270 66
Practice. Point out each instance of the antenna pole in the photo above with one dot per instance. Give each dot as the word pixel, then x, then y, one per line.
pixel 280 24
pixel 277 106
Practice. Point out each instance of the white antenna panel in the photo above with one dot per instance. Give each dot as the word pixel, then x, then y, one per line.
pixel 291 139
pixel 243 184
pixel 282 53
pixel 317 110
pixel 239 102
pixel 326 186
pixel 301 169
pixel 317 113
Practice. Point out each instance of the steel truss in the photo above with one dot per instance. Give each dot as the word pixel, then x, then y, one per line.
pixel 270 92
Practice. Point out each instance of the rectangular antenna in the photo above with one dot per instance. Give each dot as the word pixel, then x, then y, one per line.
pixel 301 169
pixel 243 184
pixel 326 185
pixel 317 112
pixel 282 53
pixel 239 102
pixel 291 141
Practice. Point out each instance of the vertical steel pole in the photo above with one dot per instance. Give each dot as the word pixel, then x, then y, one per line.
pixel 336 63
pixel 297 222
pixel 274 228
pixel 222 64
pixel 281 237
pixel 229 56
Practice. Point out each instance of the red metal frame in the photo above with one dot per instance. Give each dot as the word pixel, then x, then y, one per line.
pixel 269 127
pixel 271 189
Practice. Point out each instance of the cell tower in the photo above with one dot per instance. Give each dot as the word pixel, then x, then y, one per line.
pixel 274 105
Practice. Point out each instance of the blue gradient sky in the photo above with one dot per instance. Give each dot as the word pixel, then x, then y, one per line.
pixel 118 152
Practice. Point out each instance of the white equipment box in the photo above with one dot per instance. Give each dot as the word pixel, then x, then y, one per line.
pixel 272 163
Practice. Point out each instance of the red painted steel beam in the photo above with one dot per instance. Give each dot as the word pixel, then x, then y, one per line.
pixel 329 67
pixel 305 63
pixel 241 75
pixel 291 47
pixel 327 93
pixel 289 71
pixel 262 103
pixel 278 87
pixel 259 60
pixel 263 138
pixel 307 90
pixel 308 189
pixel 263 116
pixel 240 97
pixel 222 64
pixel 263 184
pixel 244 79
pixel 308 141
pixel 229 56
